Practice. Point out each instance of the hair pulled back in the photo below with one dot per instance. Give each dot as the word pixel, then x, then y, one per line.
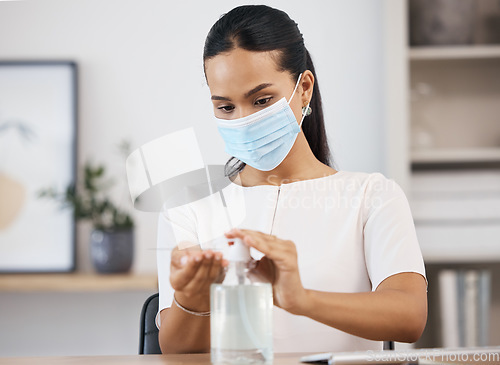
pixel 262 28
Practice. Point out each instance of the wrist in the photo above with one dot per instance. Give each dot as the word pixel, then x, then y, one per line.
pixel 304 304
pixel 196 303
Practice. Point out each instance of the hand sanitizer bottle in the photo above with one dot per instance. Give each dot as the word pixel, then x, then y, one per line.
pixel 241 313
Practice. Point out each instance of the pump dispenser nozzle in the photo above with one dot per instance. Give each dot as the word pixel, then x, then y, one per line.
pixel 238 251
pixel 239 255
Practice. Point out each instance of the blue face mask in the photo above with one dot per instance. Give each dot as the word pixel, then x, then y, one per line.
pixel 262 139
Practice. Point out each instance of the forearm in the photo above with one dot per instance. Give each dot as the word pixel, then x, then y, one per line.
pixel 181 332
pixel 380 315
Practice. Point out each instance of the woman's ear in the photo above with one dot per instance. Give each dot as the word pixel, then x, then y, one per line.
pixel 307 85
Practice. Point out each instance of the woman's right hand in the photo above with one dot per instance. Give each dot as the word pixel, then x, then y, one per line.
pixel 192 271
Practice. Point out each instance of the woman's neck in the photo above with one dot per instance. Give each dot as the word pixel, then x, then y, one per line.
pixel 299 164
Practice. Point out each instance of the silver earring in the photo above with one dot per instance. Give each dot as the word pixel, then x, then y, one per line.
pixel 306 110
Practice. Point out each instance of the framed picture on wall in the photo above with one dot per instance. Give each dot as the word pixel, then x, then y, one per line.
pixel 38 136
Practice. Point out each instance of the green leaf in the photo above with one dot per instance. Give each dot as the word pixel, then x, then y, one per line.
pixel 88 199
pixel 99 171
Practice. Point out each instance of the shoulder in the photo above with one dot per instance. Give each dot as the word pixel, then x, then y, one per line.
pixel 374 190
pixel 369 183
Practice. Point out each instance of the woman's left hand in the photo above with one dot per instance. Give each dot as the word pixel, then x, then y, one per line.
pixel 279 266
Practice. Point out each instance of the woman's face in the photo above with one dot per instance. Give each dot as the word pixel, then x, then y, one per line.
pixel 243 82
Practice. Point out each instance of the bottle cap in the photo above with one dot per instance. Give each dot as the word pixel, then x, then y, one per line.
pixel 238 251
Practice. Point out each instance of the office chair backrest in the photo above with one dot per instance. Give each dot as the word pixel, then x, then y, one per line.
pixel 148 338
pixel 389 345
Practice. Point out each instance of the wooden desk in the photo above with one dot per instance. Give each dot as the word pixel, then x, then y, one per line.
pixel 200 359
pixel 204 359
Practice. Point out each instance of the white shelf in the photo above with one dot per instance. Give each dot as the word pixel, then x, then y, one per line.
pixel 460 242
pixel 450 155
pixel 454 52
pixel 464 255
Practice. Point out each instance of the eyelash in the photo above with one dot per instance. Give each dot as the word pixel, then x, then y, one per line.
pixel 230 108
pixel 267 100
pixel 224 108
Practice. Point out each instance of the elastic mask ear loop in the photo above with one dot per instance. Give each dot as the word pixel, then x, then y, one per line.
pixel 295 89
pixel 303 116
pixel 289 100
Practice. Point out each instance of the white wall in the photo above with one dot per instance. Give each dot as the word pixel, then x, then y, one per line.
pixel 63 324
pixel 140 66
pixel 141 73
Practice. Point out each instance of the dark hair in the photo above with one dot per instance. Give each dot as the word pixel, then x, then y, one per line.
pixel 262 28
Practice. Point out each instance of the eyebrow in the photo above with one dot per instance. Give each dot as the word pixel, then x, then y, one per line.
pixel 247 94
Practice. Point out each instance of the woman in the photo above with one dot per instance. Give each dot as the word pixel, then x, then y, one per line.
pixel 347 268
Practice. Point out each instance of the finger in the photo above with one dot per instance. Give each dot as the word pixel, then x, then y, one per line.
pixel 260 244
pixel 215 270
pixel 274 248
pixel 178 258
pixel 240 233
pixel 280 251
pixel 177 255
pixel 255 239
pixel 264 269
pixel 234 233
pixel 180 277
pixel 222 272
pixel 199 280
pixel 243 234
pixel 189 246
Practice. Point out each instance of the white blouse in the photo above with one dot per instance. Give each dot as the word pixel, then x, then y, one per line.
pixel 352 230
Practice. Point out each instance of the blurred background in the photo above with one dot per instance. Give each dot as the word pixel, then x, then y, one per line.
pixel 410 89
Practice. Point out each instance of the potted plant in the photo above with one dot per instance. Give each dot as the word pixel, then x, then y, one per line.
pixel 112 237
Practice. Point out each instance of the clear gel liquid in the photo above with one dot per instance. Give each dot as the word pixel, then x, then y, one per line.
pixel 241 323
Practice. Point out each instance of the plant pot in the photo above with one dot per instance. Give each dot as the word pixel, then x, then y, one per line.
pixel 112 251
pixel 442 22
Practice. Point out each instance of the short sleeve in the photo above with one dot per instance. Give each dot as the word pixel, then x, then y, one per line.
pixel 176 227
pixel 390 239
